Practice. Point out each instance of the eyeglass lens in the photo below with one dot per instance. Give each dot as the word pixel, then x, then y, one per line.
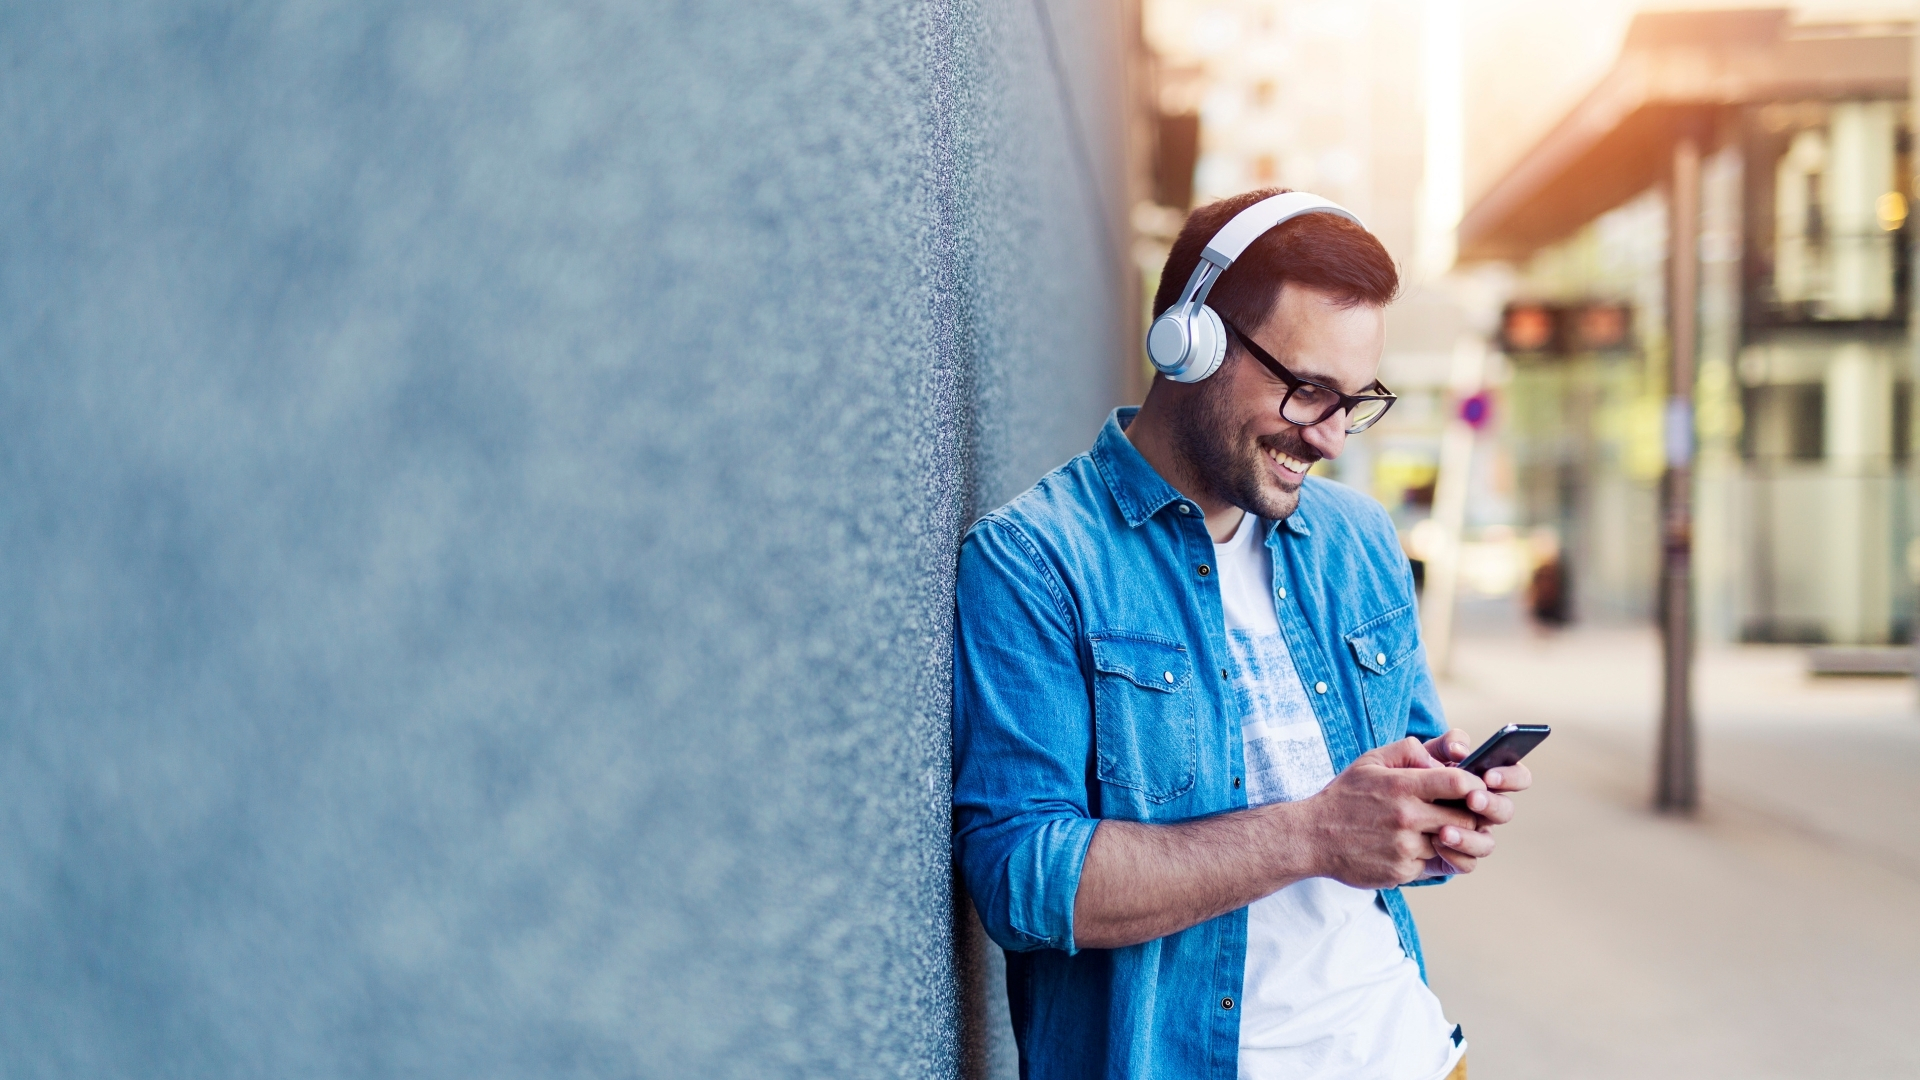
pixel 1364 414
pixel 1309 404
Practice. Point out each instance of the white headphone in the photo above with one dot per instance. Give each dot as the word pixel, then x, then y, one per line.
pixel 1188 341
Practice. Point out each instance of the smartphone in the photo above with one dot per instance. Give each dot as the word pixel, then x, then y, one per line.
pixel 1504 747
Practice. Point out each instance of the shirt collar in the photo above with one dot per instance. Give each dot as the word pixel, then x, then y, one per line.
pixel 1293 523
pixel 1137 487
pixel 1296 522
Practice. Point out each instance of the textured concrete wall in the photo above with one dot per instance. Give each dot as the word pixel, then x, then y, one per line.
pixel 479 490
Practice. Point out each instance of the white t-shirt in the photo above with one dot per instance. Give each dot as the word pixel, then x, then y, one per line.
pixel 1329 992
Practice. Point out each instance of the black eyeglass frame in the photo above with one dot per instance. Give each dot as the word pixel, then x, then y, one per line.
pixel 1294 382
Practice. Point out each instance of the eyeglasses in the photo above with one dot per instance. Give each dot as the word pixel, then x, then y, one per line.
pixel 1309 403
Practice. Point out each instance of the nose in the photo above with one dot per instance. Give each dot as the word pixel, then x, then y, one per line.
pixel 1329 436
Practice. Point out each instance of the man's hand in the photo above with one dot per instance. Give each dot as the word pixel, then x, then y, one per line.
pixel 1491 809
pixel 1376 825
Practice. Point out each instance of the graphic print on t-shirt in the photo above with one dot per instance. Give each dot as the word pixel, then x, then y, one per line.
pixel 1286 751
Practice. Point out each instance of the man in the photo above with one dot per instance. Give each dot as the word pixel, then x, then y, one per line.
pixel 1189 703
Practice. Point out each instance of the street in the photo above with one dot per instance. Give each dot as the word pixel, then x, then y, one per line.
pixel 1775 935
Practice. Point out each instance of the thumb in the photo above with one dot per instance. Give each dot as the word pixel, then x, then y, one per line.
pixel 1406 754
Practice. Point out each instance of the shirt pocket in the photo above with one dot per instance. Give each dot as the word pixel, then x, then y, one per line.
pixel 1143 714
pixel 1387 649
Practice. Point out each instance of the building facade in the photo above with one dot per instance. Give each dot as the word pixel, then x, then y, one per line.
pixel 1801 425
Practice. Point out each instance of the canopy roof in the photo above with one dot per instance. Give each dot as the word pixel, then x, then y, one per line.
pixel 1678 73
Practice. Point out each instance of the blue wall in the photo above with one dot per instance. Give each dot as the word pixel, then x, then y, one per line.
pixel 480 487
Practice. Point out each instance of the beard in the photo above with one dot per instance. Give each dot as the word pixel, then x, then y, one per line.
pixel 1235 466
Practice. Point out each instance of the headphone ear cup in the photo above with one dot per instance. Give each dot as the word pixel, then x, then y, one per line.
pixel 1168 344
pixel 1206 347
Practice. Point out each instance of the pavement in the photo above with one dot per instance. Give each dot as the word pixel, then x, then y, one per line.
pixel 1774 934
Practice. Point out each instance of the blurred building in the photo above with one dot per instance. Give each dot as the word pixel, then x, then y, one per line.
pixel 1803 418
pixel 1302 93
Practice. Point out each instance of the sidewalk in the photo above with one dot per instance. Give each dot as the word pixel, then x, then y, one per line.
pixel 1775 935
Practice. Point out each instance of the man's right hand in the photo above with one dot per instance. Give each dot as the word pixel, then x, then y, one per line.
pixel 1375 826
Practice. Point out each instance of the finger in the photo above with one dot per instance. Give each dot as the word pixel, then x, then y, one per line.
pixel 1446 783
pixel 1450 747
pixel 1478 801
pixel 1469 842
pixel 1495 809
pixel 1405 754
pixel 1429 818
pixel 1510 778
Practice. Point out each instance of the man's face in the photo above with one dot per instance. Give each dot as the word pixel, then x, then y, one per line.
pixel 1230 428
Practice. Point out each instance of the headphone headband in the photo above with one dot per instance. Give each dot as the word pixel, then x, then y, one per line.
pixel 1187 342
pixel 1252 223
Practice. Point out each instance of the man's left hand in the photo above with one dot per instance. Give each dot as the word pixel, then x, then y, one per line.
pixel 1490 808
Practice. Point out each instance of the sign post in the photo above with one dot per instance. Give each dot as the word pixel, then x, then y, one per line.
pixel 1676 783
pixel 1913 357
pixel 1440 596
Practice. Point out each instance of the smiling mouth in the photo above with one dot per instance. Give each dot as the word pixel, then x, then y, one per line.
pixel 1288 462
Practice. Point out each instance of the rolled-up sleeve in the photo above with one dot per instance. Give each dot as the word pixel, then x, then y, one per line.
pixel 1022 741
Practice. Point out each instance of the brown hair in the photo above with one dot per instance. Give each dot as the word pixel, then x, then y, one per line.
pixel 1325 251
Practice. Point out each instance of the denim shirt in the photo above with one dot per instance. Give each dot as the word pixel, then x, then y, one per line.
pixel 1090 682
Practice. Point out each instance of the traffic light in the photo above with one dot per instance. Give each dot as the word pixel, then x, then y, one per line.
pixel 1543 329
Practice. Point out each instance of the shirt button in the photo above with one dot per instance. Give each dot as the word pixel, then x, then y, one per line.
pixel 1169 677
pixel 1223 673
pixel 1205 569
pixel 1381 659
pixel 1226 1003
pixel 1319 688
pixel 1283 593
pixel 1183 508
pixel 1236 782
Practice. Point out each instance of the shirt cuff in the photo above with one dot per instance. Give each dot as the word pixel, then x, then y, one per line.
pixel 1044 881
